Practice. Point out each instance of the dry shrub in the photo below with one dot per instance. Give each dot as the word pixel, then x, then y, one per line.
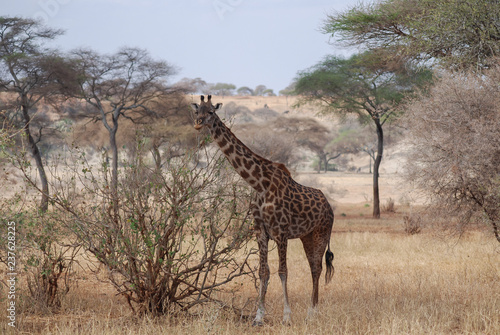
pixel 412 224
pixel 265 114
pixel 43 256
pixel 48 277
pixel 389 206
pixel 454 141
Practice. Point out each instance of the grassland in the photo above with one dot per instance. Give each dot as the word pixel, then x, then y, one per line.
pixel 385 282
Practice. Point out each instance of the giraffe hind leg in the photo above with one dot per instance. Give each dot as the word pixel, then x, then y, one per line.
pixel 264 274
pixel 283 273
pixel 311 249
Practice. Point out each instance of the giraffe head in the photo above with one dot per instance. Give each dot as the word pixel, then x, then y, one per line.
pixel 204 112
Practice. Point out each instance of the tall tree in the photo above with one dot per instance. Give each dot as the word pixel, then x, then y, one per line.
pixel 124 85
pixel 365 85
pixel 459 33
pixel 30 73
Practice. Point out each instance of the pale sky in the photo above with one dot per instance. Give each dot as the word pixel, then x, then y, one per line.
pixel 242 42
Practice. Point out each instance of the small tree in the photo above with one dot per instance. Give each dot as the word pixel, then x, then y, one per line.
pixel 288 91
pixel 350 138
pixel 454 137
pixel 305 132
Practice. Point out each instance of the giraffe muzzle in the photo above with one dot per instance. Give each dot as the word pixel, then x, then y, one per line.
pixel 198 124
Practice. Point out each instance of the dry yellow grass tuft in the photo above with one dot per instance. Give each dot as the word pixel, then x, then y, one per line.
pixel 385 282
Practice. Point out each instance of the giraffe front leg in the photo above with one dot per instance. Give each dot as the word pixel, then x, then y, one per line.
pixel 283 273
pixel 264 279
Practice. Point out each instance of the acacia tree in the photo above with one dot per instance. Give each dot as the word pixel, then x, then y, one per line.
pixel 307 133
pixel 223 89
pixel 169 139
pixel 245 90
pixel 29 73
pixel 125 85
pixel 365 85
pixel 454 146
pixel 196 85
pixel 459 33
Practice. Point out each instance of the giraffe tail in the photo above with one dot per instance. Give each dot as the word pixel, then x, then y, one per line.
pixel 329 267
pixel 329 254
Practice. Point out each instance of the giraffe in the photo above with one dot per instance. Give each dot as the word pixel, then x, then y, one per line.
pixel 283 209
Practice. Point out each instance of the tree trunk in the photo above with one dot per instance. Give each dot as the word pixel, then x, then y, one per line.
pixel 35 152
pixel 157 157
pixel 114 167
pixel 114 162
pixel 496 230
pixel 494 218
pixel 376 165
pixel 331 159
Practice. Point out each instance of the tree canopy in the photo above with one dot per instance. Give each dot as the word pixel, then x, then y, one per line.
pixel 458 33
pixel 126 85
pixel 364 84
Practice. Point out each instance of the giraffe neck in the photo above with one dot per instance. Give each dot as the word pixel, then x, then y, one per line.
pixel 256 171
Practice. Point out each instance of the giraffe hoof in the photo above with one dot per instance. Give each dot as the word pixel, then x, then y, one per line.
pixel 311 312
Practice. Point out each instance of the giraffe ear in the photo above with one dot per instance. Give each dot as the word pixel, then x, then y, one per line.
pixel 218 106
pixel 195 106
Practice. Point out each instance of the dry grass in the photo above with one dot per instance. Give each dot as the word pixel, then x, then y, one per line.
pixel 385 282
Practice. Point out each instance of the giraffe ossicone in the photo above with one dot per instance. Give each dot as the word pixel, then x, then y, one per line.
pixel 283 209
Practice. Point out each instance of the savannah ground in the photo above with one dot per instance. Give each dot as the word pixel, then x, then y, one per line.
pixel 385 282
